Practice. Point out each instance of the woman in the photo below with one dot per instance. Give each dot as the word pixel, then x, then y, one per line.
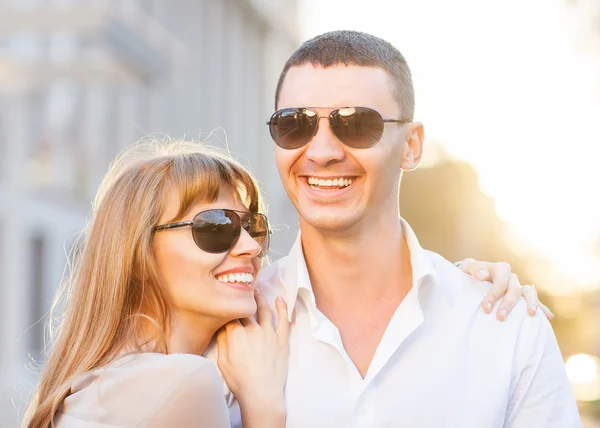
pixel 174 243
pixel 169 258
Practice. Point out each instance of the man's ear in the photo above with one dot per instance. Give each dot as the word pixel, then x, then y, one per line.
pixel 413 149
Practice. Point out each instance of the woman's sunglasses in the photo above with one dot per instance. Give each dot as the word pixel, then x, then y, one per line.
pixel 218 230
pixel 357 127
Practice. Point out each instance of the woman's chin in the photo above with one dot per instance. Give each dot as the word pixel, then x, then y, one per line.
pixel 241 310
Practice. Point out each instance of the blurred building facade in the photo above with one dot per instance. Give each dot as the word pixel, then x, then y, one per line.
pixel 80 80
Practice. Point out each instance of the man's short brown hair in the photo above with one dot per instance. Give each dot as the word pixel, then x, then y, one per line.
pixel 361 49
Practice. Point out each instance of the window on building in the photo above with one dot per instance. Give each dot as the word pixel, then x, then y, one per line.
pixel 38 305
pixel 3 137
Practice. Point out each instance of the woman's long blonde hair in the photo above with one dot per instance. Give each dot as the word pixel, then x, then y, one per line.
pixel 113 290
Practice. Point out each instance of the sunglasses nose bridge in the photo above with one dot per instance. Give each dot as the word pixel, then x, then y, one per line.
pixel 318 122
pixel 330 120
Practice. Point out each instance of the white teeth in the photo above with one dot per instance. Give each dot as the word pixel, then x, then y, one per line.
pixel 245 278
pixel 335 182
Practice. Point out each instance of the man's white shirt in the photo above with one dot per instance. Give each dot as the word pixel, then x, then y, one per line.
pixel 442 362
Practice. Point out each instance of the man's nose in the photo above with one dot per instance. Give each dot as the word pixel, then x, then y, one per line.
pixel 325 148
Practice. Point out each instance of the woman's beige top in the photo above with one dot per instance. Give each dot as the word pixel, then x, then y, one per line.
pixel 147 390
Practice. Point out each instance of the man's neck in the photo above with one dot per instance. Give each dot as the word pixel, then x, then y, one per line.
pixel 367 265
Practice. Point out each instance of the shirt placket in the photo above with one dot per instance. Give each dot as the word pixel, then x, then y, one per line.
pixel 364 410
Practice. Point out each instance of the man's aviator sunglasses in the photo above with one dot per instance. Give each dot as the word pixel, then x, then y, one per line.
pixel 218 230
pixel 357 127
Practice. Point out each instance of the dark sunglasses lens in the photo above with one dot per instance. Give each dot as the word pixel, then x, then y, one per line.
pixel 292 128
pixel 216 231
pixel 358 127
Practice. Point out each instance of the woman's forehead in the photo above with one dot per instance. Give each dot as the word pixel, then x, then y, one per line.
pixel 227 198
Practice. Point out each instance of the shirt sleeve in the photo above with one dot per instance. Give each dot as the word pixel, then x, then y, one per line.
pixel 541 395
pixel 196 400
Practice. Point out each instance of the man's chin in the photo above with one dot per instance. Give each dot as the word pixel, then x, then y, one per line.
pixel 330 222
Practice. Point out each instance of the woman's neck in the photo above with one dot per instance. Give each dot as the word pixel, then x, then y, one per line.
pixel 190 333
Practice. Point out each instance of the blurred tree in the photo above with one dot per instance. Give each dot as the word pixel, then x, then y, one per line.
pixel 452 216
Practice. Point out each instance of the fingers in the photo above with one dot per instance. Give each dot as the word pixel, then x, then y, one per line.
pixel 283 321
pixel 505 285
pixel 263 312
pixel 499 272
pixel 247 322
pixel 533 303
pixel 500 284
pixel 222 346
pixel 234 330
pixel 530 294
pixel 500 276
pixel 478 270
pixel 510 299
pixel 232 326
pixel 549 314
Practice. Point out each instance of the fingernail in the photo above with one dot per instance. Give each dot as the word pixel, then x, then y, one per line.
pixel 503 312
pixel 488 307
pixel 257 291
pixel 482 274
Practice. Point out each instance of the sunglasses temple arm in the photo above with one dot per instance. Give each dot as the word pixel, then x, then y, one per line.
pixel 174 225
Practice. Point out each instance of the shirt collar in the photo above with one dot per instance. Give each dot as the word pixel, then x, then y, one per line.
pixel 421 263
pixel 296 276
pixel 296 272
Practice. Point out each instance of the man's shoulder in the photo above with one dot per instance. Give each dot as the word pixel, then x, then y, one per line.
pixel 456 283
pixel 467 294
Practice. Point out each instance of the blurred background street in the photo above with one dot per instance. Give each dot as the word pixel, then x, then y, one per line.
pixel 509 93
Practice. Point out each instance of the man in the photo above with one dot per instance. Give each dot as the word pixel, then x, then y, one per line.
pixel 384 333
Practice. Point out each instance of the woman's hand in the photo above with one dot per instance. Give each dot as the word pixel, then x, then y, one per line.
pixel 505 285
pixel 253 358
